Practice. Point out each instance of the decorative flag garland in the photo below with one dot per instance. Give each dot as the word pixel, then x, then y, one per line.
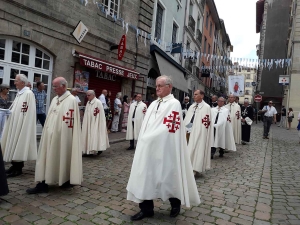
pixel 143 36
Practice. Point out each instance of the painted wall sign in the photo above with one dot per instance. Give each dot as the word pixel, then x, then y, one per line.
pixel 107 67
pixel 105 76
pixel 80 31
pixel 122 47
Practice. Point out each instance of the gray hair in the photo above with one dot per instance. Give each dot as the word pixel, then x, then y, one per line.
pixel 246 100
pixel 63 81
pixel 168 79
pixel 91 92
pixel 187 97
pixel 74 89
pixel 221 98
pixel 23 78
pixel 119 94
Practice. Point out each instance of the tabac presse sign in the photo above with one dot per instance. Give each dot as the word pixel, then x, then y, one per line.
pixel 80 31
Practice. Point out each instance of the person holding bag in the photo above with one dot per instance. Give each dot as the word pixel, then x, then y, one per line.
pixel 290 118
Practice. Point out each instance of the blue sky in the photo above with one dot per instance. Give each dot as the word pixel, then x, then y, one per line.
pixel 240 22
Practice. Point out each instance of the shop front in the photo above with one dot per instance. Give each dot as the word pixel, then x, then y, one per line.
pixel 92 73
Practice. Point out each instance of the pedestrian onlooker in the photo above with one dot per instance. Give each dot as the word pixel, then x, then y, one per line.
pixel 29 85
pixel 298 127
pixel 185 105
pixel 117 112
pixel 3 181
pixel 74 92
pixel 290 118
pixel 4 105
pixel 283 117
pixel 125 113
pixel 108 113
pixel 40 97
pixel 152 98
pixel 214 101
pixel 269 117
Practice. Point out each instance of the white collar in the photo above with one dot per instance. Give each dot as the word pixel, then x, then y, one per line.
pixel 23 90
pixel 92 101
pixel 166 98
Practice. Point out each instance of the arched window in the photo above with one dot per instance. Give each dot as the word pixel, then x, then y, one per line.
pixel 20 56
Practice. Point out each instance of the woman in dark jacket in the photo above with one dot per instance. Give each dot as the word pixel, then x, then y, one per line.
pixel 3 182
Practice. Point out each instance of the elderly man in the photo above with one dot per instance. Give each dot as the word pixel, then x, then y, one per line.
pixel 161 166
pixel 117 112
pixel 19 135
pixel 269 116
pixel 74 92
pixel 60 155
pixel 223 135
pixel 185 105
pixel 247 118
pixel 103 100
pixel 40 97
pixel 198 125
pixel 235 117
pixel 136 116
pixel 214 101
pixel 94 133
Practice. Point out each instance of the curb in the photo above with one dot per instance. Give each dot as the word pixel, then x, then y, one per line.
pixel 117 140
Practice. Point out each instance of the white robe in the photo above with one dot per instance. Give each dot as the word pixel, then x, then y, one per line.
pixel 133 133
pixel 94 132
pixel 224 134
pixel 19 135
pixel 161 166
pixel 60 154
pixel 199 145
pixel 235 117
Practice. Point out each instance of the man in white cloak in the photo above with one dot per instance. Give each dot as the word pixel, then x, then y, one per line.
pixel 19 135
pixel 198 127
pixel 161 166
pixel 222 134
pixel 136 116
pixel 59 158
pixel 235 117
pixel 94 132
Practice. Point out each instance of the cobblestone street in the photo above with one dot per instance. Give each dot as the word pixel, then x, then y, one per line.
pixel 259 184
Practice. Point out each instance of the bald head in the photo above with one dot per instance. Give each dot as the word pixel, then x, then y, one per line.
pixel 221 102
pixel 59 85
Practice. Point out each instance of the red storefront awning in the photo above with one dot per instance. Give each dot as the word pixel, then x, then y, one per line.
pixel 105 66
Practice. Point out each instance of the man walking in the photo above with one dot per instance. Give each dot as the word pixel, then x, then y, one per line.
pixel 117 113
pixel 198 127
pixel 19 135
pixel 59 158
pixel 185 105
pixel 214 101
pixel 247 119
pixel 161 166
pixel 135 119
pixel 269 117
pixel 40 97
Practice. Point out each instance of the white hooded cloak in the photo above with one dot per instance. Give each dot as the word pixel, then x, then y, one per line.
pixel 235 117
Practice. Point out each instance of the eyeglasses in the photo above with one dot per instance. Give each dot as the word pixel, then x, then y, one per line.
pixel 160 86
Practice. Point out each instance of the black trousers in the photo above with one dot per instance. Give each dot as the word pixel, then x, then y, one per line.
pixel 132 141
pixel 18 165
pixel 267 125
pixel 41 118
pixel 213 151
pixel 148 205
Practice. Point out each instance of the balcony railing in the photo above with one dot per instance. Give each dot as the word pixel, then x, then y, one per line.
pixel 192 23
pixel 199 36
pixel 189 65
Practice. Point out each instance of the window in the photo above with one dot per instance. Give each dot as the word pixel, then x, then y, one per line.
pixel 191 9
pixel 207 18
pixel 205 41
pixel 42 60
pixel 208 49
pixel 210 28
pixel 174 33
pixel 248 76
pixel 2 49
pixel 158 23
pixel 248 84
pixel 112 6
pixel 20 53
pixel 198 23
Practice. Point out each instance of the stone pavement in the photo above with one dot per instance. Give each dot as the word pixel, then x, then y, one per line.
pixel 259 184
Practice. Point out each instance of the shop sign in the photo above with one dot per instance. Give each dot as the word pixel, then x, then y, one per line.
pixel 109 68
pixel 106 76
pixel 80 31
pixel 122 47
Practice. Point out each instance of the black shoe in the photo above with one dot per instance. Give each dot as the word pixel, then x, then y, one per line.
pixel 10 170
pixel 99 153
pixel 15 173
pixel 212 157
pixel 141 215
pixel 130 148
pixel 243 143
pixel 221 155
pixel 39 188
pixel 175 211
pixel 67 185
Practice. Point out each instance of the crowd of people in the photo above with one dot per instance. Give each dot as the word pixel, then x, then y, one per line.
pixel 174 142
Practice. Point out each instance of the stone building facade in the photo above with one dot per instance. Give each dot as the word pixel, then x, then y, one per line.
pixel 35 39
